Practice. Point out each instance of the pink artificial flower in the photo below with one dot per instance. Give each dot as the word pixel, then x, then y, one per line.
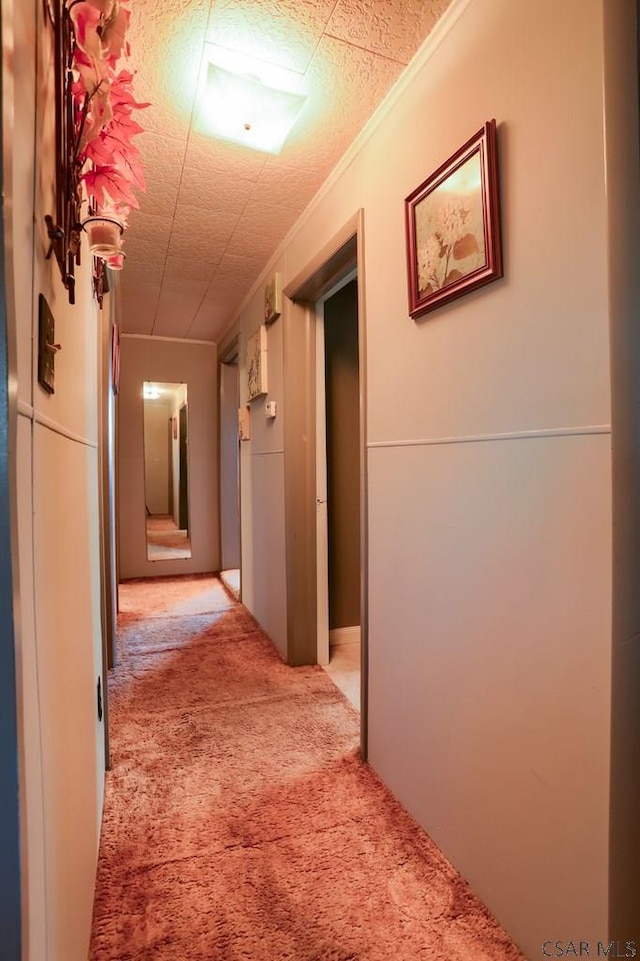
pixel 114 32
pixel 86 19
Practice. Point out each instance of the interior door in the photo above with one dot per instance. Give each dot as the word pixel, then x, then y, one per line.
pixel 183 487
pixel 322 544
pixel 229 467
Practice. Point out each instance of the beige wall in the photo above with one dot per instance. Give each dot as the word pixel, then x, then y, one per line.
pixel 166 361
pixel 489 467
pixel 57 511
pixel 262 487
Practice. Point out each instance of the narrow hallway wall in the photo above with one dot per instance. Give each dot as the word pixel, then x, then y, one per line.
pixel 57 512
pixel 489 468
pixel 264 588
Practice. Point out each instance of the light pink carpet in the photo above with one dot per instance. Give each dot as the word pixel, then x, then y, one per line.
pixel 240 824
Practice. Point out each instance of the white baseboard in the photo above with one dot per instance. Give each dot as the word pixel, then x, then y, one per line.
pixel 344 635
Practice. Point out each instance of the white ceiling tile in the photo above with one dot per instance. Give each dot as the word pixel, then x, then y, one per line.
pixel 136 321
pixel 235 276
pixel 216 312
pixel 258 248
pixel 176 311
pixel 210 326
pixel 287 185
pixel 268 218
pixel 283 32
pixel 335 83
pixel 180 283
pixel 160 198
pixel 196 268
pixel 259 230
pixel 393 30
pixel 166 41
pixel 214 190
pixel 213 155
pixel 146 239
pixel 136 274
pixel 163 157
pixel 202 221
pixel 201 236
pixel 139 303
pixel 163 122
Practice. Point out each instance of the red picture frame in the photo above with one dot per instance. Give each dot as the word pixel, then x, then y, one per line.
pixel 453 230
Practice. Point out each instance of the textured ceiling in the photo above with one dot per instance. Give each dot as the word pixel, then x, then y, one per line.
pixel 213 212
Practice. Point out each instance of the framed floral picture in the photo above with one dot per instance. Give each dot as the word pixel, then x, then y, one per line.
pixel 453 226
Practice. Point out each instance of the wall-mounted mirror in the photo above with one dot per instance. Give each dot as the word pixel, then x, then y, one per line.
pixel 166 474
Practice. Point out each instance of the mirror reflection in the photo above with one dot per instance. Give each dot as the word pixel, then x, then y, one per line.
pixel 166 476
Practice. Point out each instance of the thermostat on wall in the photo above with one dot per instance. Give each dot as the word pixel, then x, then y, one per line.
pixel 270 408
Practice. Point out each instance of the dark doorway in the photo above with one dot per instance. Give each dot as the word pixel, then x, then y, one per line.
pixel 183 522
pixel 342 391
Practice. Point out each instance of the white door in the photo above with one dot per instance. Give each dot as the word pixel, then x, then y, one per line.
pixel 229 473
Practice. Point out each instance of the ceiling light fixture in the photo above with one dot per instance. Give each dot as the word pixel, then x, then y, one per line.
pixel 243 109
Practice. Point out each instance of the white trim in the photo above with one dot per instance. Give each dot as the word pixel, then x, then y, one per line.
pixel 340 636
pixel 173 340
pixel 52 425
pixel 477 438
pixel 444 25
pixel 322 510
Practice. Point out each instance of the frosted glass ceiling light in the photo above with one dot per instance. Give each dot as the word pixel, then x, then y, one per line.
pixel 245 110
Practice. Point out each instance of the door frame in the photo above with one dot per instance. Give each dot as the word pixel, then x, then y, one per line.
pixel 230 353
pixel 322 504
pixel 337 259
pixel 183 461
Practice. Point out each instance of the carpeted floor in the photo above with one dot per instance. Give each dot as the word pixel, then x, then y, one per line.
pixel 165 541
pixel 240 824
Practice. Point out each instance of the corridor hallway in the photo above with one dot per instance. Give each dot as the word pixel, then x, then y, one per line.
pixel 239 822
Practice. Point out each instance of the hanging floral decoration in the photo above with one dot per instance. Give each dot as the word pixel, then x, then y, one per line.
pixel 98 161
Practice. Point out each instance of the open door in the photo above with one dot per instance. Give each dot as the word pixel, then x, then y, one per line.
pixel 339 485
pixel 183 482
pixel 322 526
pixel 230 473
pixel 330 269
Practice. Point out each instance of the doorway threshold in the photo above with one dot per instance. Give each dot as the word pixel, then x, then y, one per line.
pixel 344 670
pixel 231 580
